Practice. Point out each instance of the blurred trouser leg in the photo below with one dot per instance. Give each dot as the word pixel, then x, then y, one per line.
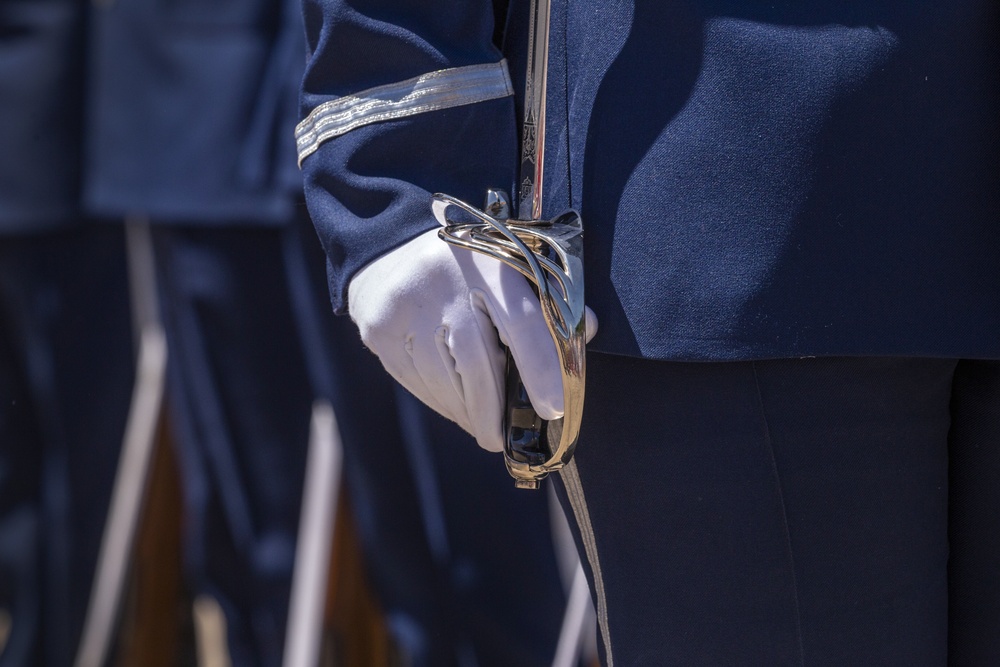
pixel 66 375
pixel 492 546
pixel 241 402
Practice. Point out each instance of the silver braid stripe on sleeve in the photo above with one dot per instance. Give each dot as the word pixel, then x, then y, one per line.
pixel 443 89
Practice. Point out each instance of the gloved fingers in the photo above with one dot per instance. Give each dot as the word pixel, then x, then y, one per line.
pixel 475 355
pixel 437 377
pixel 416 387
pixel 455 365
pixel 522 328
pixel 541 371
pixel 591 321
pixel 397 361
pixel 541 374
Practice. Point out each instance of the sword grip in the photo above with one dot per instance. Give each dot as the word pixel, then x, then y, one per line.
pixel 525 433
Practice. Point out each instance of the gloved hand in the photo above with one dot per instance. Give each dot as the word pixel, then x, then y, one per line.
pixel 435 315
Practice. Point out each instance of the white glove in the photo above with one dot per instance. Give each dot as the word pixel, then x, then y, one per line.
pixel 435 315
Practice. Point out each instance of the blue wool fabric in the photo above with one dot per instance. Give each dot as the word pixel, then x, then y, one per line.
pixel 834 511
pixel 790 211
pixel 756 181
pixel 41 84
pixel 190 107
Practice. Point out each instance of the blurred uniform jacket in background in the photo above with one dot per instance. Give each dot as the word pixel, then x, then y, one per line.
pixel 66 358
pixel 181 114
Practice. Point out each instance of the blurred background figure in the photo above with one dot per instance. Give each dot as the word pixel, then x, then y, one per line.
pixel 192 114
pixel 66 353
pixel 186 133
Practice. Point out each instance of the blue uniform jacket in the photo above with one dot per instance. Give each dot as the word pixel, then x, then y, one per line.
pixel 191 108
pixel 756 180
pixel 41 75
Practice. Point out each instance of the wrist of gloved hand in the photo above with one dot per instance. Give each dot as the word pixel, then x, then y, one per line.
pixel 436 316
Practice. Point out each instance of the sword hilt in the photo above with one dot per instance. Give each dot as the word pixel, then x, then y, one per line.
pixel 550 255
pixel 541 250
pixel 525 433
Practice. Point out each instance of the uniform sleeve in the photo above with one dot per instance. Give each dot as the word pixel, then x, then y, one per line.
pixel 400 100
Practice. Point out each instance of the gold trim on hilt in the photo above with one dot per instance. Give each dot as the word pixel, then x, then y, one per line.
pixel 549 253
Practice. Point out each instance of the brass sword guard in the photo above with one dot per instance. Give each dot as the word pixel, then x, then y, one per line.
pixel 549 253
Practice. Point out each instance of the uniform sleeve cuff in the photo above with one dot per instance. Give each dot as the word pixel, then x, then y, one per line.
pixel 442 89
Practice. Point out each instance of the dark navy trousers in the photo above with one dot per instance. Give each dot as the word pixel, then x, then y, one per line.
pixel 826 511
pixel 240 402
pixel 66 376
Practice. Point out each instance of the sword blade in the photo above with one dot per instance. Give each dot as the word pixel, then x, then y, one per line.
pixel 529 205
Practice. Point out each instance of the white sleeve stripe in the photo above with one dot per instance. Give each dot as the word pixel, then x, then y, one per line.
pixel 442 89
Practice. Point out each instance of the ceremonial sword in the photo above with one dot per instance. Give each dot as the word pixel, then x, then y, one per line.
pixel 549 253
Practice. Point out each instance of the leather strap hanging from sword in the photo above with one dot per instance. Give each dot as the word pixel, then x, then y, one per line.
pixel 549 253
